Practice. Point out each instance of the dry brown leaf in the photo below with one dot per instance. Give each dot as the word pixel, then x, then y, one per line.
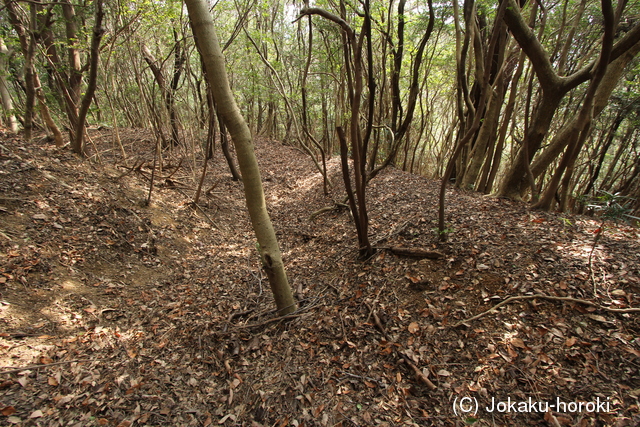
pixel 517 342
pixel 598 318
pixel 413 327
pixel 36 414
pixel 631 350
pixel 8 410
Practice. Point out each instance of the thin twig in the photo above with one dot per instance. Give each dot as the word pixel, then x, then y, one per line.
pixel 200 209
pixel 550 298
pixel 417 372
pixel 593 248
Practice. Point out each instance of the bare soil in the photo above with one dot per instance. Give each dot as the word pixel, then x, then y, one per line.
pixel 118 313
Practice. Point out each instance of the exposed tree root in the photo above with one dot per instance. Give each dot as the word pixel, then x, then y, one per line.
pixel 550 298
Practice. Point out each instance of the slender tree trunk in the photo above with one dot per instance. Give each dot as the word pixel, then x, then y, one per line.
pixel 29 71
pixel 224 145
pixel 7 103
pixel 98 31
pixel 75 66
pixel 207 42
pixel 44 111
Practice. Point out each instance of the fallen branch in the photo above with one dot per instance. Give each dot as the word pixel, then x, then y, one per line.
pixel 46 365
pixel 336 206
pixel 415 252
pixel 550 298
pixel 399 229
pixel 417 372
pixel 195 205
pixel 136 167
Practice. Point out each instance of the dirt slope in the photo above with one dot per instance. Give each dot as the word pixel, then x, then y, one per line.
pixel 113 313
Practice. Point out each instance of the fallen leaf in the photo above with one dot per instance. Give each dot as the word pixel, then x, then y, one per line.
pixel 444 373
pixel 226 417
pixel 8 410
pixel 598 318
pixel 412 279
pixel 570 342
pixel 36 414
pixel 413 327
pixel 517 342
pixel 632 351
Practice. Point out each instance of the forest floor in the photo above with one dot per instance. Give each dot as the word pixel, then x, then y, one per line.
pixel 114 313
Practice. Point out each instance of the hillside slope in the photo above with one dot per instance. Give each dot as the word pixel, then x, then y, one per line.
pixel 114 313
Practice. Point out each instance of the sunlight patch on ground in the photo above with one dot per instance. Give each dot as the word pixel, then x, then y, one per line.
pixel 71 285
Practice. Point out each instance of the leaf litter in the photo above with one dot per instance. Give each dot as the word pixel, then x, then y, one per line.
pixel 117 314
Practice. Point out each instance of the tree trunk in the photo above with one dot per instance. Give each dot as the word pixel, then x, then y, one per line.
pixel 554 88
pixel 207 42
pixel 581 126
pixel 7 103
pixel 603 93
pixel 98 31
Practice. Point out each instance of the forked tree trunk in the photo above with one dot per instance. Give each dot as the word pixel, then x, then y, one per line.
pixel 209 47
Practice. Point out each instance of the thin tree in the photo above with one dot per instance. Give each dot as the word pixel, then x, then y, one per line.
pixel 78 142
pixel 211 53
pixel 7 103
pixel 353 50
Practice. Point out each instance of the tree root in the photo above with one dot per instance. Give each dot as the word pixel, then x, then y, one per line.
pixel 327 209
pixel 550 298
